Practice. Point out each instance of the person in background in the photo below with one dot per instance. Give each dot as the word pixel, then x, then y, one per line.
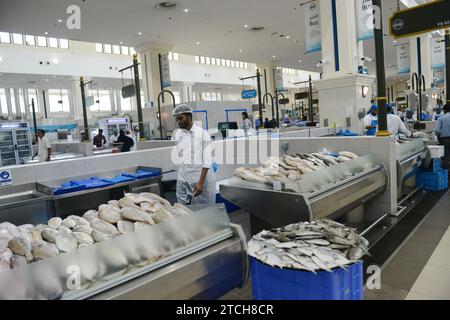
pixel 127 142
pixel 437 113
pixel 247 124
pixel 443 134
pixel 395 124
pixel 99 140
pixel 410 116
pixel 371 121
pixel 196 183
pixel 267 124
pixel 137 133
pixel 44 149
pixel 114 137
pixel 131 135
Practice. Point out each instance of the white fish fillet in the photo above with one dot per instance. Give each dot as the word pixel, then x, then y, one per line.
pixel 83 238
pixel 134 214
pixel 110 215
pixel 125 226
pixel 21 247
pixel 162 215
pixel 54 222
pixel 43 250
pixel 348 154
pixel 103 226
pixel 49 234
pixel 66 243
pixel 153 196
pixel 90 215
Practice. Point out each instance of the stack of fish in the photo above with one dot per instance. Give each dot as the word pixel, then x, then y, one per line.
pixel 316 246
pixel 289 169
pixel 28 243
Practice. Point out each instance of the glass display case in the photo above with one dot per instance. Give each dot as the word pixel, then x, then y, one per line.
pixel 15 143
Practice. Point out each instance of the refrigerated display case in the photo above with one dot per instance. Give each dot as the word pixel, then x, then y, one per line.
pixel 15 143
pixel 110 125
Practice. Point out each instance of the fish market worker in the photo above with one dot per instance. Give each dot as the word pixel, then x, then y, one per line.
pixel 371 121
pixel 443 134
pixel 196 183
pixel 395 124
pixel 44 149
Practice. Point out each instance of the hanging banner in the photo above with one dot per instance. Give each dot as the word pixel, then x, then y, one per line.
pixel 165 71
pixel 313 38
pixel 364 18
pixel 437 53
pixel 438 76
pixel 403 60
pixel 279 85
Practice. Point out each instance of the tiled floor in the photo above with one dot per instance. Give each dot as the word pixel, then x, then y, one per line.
pixel 419 270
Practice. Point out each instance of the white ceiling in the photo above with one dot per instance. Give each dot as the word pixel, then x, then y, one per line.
pixel 218 26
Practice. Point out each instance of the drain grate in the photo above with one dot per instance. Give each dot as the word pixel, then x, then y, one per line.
pixel 393 239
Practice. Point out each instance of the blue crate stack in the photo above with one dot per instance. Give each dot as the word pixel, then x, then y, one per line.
pixel 276 284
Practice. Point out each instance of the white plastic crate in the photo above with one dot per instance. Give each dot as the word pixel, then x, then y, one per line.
pixel 436 152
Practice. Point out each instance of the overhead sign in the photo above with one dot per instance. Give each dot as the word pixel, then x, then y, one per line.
pixel 364 18
pixel 420 19
pixel 5 178
pixel 279 82
pixel 437 53
pixel 301 95
pixel 164 65
pixel 438 76
pixel 249 94
pixel 128 91
pixel 89 101
pixel 283 101
pixel 313 38
pixel 403 59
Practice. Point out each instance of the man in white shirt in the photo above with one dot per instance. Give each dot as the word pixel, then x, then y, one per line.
pixel 395 123
pixel 371 121
pixel 44 149
pixel 114 137
pixel 131 135
pixel 196 183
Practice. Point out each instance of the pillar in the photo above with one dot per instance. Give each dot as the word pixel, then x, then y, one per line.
pixel 342 100
pixel 27 103
pixel 421 63
pixel 112 98
pixel 186 92
pixel 8 103
pixel 77 108
pixel 150 73
pixel 17 101
pixel 118 94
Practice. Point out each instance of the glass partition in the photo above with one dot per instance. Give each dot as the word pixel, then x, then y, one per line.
pixel 410 148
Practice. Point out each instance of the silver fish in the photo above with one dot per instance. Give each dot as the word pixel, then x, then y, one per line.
pixel 43 250
pixel 90 215
pixel 135 214
pixel 319 242
pixel 66 243
pixel 110 215
pixel 104 227
pixel 153 196
pixel 100 236
pixel 355 253
pixel 54 223
pixel 21 247
pixel 49 234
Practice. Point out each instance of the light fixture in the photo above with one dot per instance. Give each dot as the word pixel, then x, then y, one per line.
pixel 121 42
pixel 59 20
pixel 46 80
pixel 46 33
pixel 274 57
pixel 395 41
pixel 364 91
pixel 186 10
pixel 197 43
pixel 140 33
pixel 55 61
pixel 1 59
pixel 241 50
pixel 288 37
pixel 300 61
pixel 246 26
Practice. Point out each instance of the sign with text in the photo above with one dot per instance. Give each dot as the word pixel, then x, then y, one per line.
pixel 437 53
pixel 283 101
pixel 313 38
pixel 301 95
pixel 403 60
pixel 249 94
pixel 165 71
pixel 5 178
pixel 279 81
pixel 420 19
pixel 364 18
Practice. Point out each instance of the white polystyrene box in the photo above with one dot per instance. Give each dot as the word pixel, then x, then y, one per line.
pixel 436 152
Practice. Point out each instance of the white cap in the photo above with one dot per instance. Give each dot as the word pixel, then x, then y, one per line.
pixel 182 108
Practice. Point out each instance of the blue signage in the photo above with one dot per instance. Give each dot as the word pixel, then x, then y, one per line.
pixel 249 94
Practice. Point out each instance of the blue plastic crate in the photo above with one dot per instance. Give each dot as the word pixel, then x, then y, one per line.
pixel 119 179
pixel 231 207
pixel 142 174
pixel 276 284
pixel 436 165
pixel 68 188
pixel 433 181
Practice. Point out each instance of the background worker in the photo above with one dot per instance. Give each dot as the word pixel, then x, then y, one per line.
pixel 44 149
pixel 371 121
pixel 443 134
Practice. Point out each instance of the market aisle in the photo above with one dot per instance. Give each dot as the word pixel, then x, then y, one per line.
pixel 434 280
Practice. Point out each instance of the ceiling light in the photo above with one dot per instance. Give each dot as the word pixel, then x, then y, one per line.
pixel 246 26
pixel 46 80
pixel 186 10
pixel 55 61
pixel 54 76
pixel 46 33
pixel 121 42
pixel 167 5
pixel 395 41
pixel 140 33
pixel 288 37
pixel 197 43
pixel 241 50
pixel 300 61
pixel 59 20
pixel 274 57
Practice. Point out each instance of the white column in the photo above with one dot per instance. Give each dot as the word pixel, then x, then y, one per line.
pixel 186 93
pixel 149 58
pixel 76 97
pixel 8 103
pixel 112 98
pixel 267 77
pixel 118 101
pixel 425 57
pixel 17 101
pixel 346 38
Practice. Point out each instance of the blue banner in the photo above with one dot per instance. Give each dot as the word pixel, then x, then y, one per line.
pixel 249 94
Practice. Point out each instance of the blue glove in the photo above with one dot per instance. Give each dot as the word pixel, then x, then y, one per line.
pixel 215 166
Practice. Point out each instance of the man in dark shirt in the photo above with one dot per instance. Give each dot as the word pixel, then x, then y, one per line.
pixel 128 143
pixel 267 124
pixel 99 140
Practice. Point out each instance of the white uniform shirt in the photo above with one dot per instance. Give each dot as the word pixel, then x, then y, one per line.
pixel 396 125
pixel 43 146
pixel 132 136
pixel 113 139
pixel 367 121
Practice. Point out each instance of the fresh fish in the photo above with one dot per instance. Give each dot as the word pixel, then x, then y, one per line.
pixel 82 222
pixel 114 203
pixel 135 198
pixel 90 215
pixel 319 242
pixel 87 230
pixel 150 207
pixel 273 260
pixel 104 227
pixel 18 261
pixel 83 245
pixel 12 229
pixel 339 246
pixel 100 236
pixel 127 203
pixel 83 238
pixel 64 230
pixel 162 215
pixel 134 214
pixel 54 223
pixel 110 215
pixel 153 196
pixel 348 154
pixel 5 234
pixel 5 259
pixel 339 240
pixel 66 243
pixel 49 234
pixel 4 242
pixel 140 225
pixel 355 253
pixel 21 247
pixel 69 223
pixel 184 208
pixel 125 226
pixel 287 245
pixel 320 264
pixel 43 250
pixel 343 159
